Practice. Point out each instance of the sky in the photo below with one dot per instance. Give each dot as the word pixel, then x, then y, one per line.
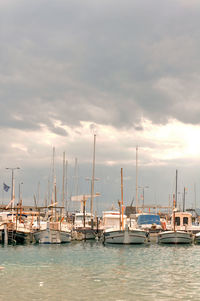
pixel 127 71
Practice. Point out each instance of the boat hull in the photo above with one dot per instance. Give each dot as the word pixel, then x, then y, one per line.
pixel 125 237
pixel 52 237
pixel 65 237
pixel 174 237
pixel 84 234
pixel 23 237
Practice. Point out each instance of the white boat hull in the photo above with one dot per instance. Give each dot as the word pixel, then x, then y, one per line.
pixel 175 237
pixel 52 237
pixel 125 236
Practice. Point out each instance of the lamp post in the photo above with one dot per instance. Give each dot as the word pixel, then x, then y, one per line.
pixel 13 184
pixel 143 188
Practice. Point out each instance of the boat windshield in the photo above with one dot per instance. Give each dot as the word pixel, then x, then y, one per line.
pixel 148 219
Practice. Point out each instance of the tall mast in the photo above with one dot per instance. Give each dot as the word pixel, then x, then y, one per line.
pixel 63 188
pixel 122 201
pixel 93 175
pixel 176 188
pixel 53 183
pixel 136 198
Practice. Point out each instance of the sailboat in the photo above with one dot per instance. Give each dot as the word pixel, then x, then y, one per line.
pixel 180 221
pixel 53 231
pixel 120 232
pixel 83 224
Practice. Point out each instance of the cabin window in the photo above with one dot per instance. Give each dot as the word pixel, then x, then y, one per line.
pixel 185 220
pixel 177 221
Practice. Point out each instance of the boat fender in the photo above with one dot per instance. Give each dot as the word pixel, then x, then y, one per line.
pixel 163 225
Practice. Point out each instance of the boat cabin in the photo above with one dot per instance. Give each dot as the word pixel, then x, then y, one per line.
pixel 79 219
pixel 111 219
pixel 183 220
pixel 148 221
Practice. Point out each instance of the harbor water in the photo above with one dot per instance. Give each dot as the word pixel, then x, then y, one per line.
pixel 92 271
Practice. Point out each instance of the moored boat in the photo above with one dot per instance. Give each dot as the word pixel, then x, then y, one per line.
pixel 82 228
pixel 126 236
pixel 52 233
pixel 116 228
pixel 179 233
pixel 175 237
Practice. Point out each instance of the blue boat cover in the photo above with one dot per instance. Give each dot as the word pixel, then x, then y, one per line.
pixel 148 219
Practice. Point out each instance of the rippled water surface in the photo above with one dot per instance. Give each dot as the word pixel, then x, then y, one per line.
pixel 91 271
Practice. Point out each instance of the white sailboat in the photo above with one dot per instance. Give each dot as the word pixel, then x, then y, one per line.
pixel 116 229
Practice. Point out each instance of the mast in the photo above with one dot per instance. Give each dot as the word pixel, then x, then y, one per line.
pixel 93 175
pixel 55 197
pixel 53 184
pixel 175 201
pixel 184 200
pixel 176 188
pixel 63 186
pixel 66 184
pixel 136 179
pixel 122 201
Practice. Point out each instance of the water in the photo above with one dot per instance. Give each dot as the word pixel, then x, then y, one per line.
pixel 91 271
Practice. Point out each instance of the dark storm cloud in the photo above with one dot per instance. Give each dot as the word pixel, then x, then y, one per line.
pixel 98 61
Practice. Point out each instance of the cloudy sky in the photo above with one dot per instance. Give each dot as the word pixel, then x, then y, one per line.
pixel 127 70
